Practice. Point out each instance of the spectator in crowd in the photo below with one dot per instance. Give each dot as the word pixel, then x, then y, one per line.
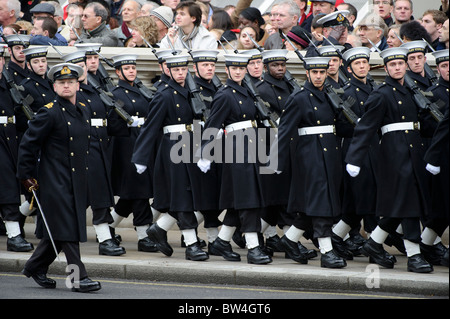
pixel 220 25
pixel 432 21
pixel 384 9
pixel 73 20
pixel 288 15
pixel 163 17
pixel 413 30
pixel 302 5
pixel 443 34
pixel 298 38
pixel 252 17
pixel 130 11
pixel 46 9
pixel 403 10
pixel 273 17
pixel 351 17
pixel 244 41
pixel 9 12
pixel 189 31
pixel 319 6
pixel 210 9
pixel 94 20
pixel 445 7
pixel 317 28
pixel 229 9
pixel 170 3
pixel 143 27
pixel 25 26
pixel 372 30
pixel 44 32
pixel 63 30
pixel 147 7
pixel 392 39
pixel 11 29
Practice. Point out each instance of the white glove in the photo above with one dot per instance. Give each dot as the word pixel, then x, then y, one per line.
pixel 140 168
pixel 353 170
pixel 135 122
pixel 204 165
pixel 433 169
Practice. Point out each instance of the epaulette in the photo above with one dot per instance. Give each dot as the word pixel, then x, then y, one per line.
pixel 49 105
pixel 82 104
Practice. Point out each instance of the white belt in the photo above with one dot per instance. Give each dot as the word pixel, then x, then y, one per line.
pixel 240 126
pixel 99 122
pixel 311 130
pixel 178 128
pixel 401 126
pixel 7 120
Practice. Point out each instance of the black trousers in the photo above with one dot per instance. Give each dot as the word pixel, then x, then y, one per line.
pixel 101 216
pixel 185 220
pixel 321 226
pixel 411 227
pixel 211 218
pixel 247 220
pixel 142 213
pixel 10 212
pixel 44 255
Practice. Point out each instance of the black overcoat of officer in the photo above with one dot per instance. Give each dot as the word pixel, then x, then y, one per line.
pixel 364 201
pixel 40 89
pixel 100 149
pixel 9 187
pixel 241 187
pixel 402 183
pixel 126 182
pixel 317 173
pixel 60 130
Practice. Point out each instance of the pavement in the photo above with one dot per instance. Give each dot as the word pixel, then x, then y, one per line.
pixel 358 276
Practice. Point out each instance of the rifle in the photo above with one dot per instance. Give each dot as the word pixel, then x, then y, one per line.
pixel 15 91
pixel 334 98
pixel 262 107
pixel 105 96
pixel 288 74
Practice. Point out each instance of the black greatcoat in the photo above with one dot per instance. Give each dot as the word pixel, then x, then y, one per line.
pixel 9 185
pixel 402 185
pixel 422 82
pixel 317 166
pixel 17 73
pixel 359 193
pixel 241 186
pixel 60 134
pixel 275 92
pixel 177 188
pixel 100 193
pixel 41 89
pixel 126 182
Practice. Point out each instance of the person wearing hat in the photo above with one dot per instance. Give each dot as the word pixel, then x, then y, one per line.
pixel 57 140
pixel 316 162
pixel 359 194
pixel 48 10
pixel 241 192
pixel 274 89
pixel 416 63
pixel 252 17
pixel 176 186
pixel 17 66
pixel 437 221
pixel 255 66
pixel 133 190
pixel 161 80
pixel 100 194
pixel 335 28
pixel 44 32
pixel 10 186
pixel 298 38
pixel 318 7
pixel 391 109
pixel 335 64
pixel 37 84
pixel 163 16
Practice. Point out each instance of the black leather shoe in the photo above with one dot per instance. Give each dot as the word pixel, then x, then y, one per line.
pixel 222 248
pixel 274 244
pixel 201 242
pixel 41 279
pixel 332 260
pixel 292 251
pixel 109 247
pixel 239 239
pixel 432 254
pixel 418 264
pixel 309 253
pixel 115 236
pixel 358 239
pixel 194 252
pixel 159 237
pixel 87 285
pixel 147 245
pixel 396 240
pixel 18 244
pixel 257 256
pixel 353 246
pixel 377 254
pixel 444 261
pixel 340 248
